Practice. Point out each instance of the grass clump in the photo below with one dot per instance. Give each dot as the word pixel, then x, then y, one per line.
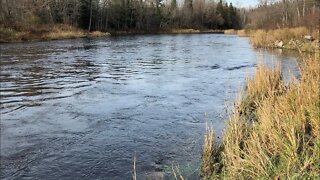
pixel 98 34
pixel 7 34
pixel 242 32
pixel 211 159
pixel 69 32
pixel 259 38
pixel 62 32
pixel 274 132
pixel 184 31
pixel 230 31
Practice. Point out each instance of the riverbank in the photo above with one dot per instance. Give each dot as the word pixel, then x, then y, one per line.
pixel 45 32
pixel 299 38
pixel 273 132
pixel 56 32
pixel 168 31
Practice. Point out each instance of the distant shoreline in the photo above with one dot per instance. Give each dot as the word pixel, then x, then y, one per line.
pixel 298 39
pixel 257 37
pixel 11 36
pixel 172 31
pixel 46 33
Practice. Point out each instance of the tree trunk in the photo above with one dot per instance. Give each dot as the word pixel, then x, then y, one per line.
pixel 285 13
pixel 90 20
pixel 298 10
pixel 107 21
pixel 8 9
pixel 304 8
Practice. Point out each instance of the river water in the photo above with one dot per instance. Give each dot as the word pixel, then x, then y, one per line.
pixel 84 108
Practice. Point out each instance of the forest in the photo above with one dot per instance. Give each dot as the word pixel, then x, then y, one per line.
pixel 155 15
pixel 272 14
pixel 24 20
pixel 124 15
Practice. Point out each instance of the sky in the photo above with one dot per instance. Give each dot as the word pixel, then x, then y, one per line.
pixel 244 3
pixel 239 3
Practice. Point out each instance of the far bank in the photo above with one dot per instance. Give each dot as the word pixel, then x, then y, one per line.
pixel 45 33
pixel 299 38
pixel 61 31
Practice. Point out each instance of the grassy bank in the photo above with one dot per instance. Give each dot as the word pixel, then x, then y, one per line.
pixel 168 31
pixel 299 38
pixel 191 31
pixel 60 31
pixel 45 32
pixel 241 32
pixel 274 131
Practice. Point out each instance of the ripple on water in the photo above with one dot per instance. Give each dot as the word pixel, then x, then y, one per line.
pixel 83 108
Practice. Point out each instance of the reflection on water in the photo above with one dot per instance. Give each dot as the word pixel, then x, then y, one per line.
pixel 83 108
pixel 289 61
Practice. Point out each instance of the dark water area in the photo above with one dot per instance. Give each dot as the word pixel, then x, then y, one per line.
pixel 82 109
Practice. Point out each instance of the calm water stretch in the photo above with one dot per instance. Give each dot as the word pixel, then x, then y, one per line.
pixel 82 109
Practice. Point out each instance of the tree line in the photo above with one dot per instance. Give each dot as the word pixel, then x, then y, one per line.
pixel 121 15
pixel 272 14
pixel 155 15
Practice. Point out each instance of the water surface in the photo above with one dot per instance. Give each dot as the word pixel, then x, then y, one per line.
pixel 82 109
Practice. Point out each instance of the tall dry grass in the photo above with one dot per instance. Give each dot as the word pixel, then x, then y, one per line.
pixel 63 32
pixel 45 32
pixel 274 132
pixel 7 34
pixel 211 159
pixel 263 38
pixel 242 32
pixel 230 31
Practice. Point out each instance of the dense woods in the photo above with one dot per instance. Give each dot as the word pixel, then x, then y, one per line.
pixel 57 19
pixel 272 14
pixel 120 15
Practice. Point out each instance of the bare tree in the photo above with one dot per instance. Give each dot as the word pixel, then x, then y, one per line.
pixel 90 19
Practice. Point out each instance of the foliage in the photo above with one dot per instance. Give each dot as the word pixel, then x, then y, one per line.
pixel 120 15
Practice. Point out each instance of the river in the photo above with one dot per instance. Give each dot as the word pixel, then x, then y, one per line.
pixel 84 108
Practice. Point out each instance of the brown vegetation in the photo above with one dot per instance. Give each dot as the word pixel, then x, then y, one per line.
pixel 287 38
pixel 285 13
pixel 45 32
pixel 241 32
pixel 274 132
pixel 191 31
pixel 299 38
